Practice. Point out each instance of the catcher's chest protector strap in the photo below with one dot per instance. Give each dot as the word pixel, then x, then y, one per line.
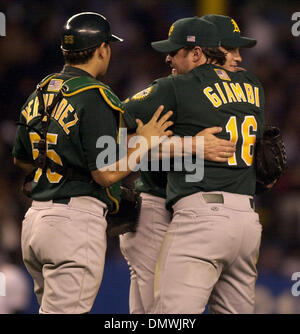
pixel 42 161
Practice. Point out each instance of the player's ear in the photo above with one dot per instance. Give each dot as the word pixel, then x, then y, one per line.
pixel 197 53
pixel 101 50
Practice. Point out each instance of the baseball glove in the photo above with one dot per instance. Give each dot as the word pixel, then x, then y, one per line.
pixel 126 219
pixel 270 159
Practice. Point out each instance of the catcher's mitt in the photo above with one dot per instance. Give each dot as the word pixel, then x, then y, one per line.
pixel 270 159
pixel 126 219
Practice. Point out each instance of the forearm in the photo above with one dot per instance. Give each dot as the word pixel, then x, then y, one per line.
pixel 148 136
pixel 108 175
pixel 205 145
pixel 174 146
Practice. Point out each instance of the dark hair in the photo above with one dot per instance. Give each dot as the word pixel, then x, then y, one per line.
pixel 187 49
pixel 230 48
pixel 214 55
pixel 78 57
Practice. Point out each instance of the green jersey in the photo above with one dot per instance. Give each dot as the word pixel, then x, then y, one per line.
pixel 87 111
pixel 210 96
pixel 143 105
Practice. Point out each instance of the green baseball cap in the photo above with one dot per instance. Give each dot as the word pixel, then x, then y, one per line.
pixel 189 31
pixel 229 32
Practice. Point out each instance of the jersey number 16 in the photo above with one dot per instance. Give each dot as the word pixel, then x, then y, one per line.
pixel 247 148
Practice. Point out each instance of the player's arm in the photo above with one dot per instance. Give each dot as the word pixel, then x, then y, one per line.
pixel 156 127
pixel 22 151
pixel 142 104
pixel 215 149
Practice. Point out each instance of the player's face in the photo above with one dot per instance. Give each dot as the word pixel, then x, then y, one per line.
pixel 233 58
pixel 181 61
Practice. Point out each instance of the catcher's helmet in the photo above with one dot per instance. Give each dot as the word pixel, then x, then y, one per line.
pixel 86 30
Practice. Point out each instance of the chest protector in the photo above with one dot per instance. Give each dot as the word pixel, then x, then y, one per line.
pixel 67 87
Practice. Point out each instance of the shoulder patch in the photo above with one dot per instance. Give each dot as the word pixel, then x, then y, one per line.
pixel 142 94
pixel 111 99
pixel 55 85
pixel 45 81
pixel 222 74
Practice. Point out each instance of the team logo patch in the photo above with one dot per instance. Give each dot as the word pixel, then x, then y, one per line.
pixel 222 74
pixel 143 94
pixel 171 29
pixel 55 85
pixel 236 27
pixel 69 39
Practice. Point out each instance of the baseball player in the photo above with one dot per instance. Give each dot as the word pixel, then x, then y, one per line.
pixel 210 250
pixel 140 251
pixel 64 231
pixel 178 59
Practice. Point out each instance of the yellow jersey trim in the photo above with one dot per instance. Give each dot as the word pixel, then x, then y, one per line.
pixel 47 81
pixel 101 89
pixel 81 90
pixel 114 200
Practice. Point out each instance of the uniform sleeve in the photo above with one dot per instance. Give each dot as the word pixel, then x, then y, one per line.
pixel 143 104
pixel 98 124
pixel 129 120
pixel 22 146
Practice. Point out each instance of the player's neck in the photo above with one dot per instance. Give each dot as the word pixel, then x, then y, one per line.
pixel 201 61
pixel 87 68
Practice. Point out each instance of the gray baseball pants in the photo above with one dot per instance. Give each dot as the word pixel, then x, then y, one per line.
pixel 141 251
pixel 64 249
pixel 209 256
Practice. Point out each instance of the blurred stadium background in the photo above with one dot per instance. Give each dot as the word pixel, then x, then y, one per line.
pixel 30 50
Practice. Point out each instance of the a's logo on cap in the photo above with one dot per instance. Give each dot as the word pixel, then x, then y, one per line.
pixel 69 39
pixel 171 29
pixel 236 27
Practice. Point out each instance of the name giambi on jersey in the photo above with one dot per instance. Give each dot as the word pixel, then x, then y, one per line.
pixel 229 92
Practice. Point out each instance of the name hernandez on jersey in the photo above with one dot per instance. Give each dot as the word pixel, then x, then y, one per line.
pixel 63 111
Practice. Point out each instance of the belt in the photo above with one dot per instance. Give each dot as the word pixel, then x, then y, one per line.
pixel 62 200
pixel 219 198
